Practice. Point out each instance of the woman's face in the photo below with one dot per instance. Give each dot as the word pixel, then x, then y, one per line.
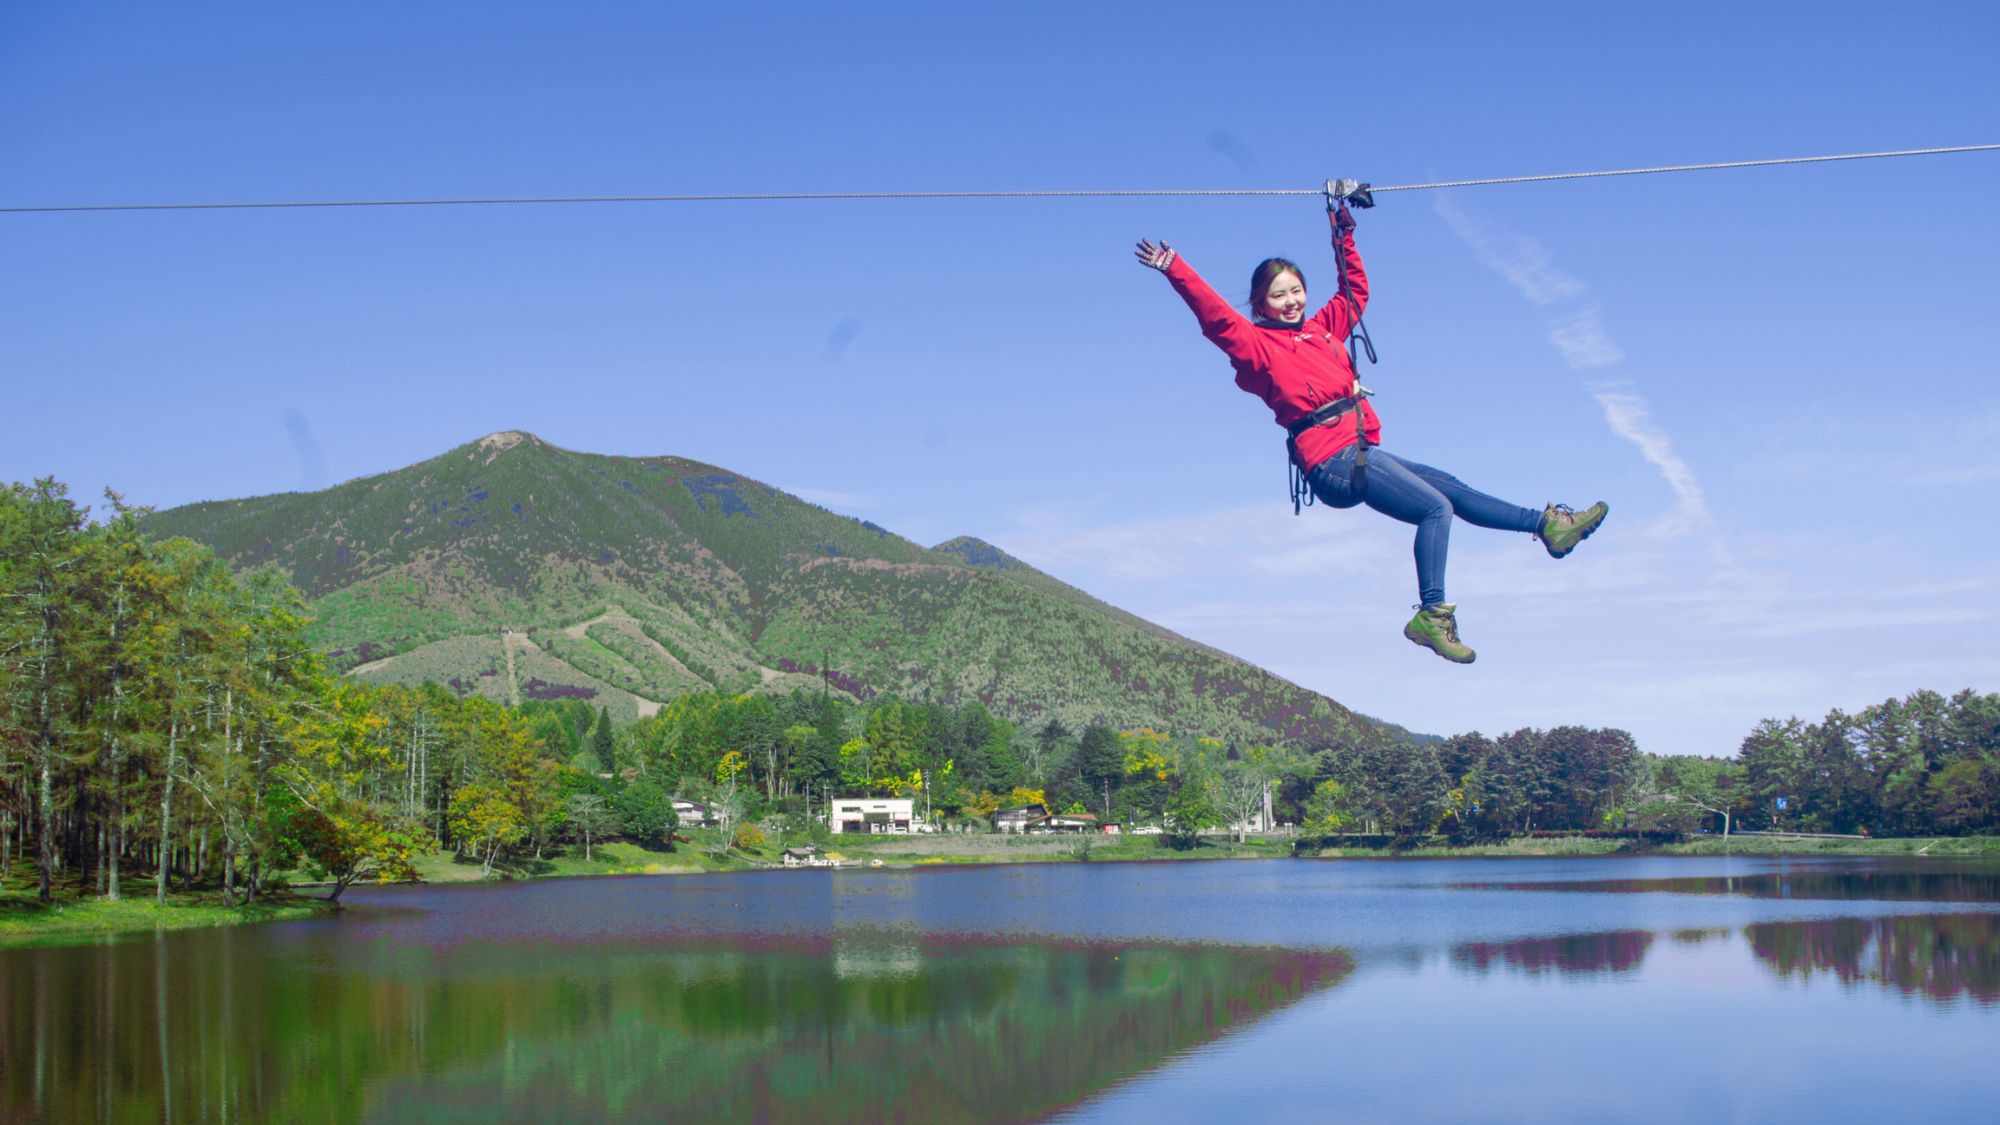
pixel 1285 300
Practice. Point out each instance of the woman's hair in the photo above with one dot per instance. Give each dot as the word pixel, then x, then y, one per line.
pixel 1261 278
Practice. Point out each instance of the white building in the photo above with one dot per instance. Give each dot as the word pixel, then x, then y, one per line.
pixel 873 814
pixel 1016 819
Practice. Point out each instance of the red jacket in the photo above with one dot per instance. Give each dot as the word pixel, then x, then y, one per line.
pixel 1293 370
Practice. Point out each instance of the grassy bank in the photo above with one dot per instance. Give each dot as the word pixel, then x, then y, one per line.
pixel 73 919
pixel 1520 846
pixel 701 855
pixel 78 917
pixel 927 851
pixel 1700 845
pixel 1795 845
pixel 614 857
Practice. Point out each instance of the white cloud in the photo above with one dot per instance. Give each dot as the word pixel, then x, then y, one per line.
pixel 1580 338
pixel 1263 539
pixel 1630 419
pixel 1524 262
pixel 1584 343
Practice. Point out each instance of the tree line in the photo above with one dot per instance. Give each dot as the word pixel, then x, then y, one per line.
pixel 161 714
pixel 1923 765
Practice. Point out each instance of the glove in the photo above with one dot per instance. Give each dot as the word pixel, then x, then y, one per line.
pixel 1350 191
pixel 1343 220
pixel 1159 257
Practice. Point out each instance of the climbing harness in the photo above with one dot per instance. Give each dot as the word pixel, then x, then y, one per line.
pixel 1302 496
pixel 1358 342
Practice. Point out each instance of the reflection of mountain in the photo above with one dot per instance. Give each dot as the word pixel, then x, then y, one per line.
pixel 1938 956
pixel 867 1029
pixel 1874 883
pixel 1572 953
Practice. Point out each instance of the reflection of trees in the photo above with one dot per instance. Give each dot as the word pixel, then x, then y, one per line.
pixel 1938 956
pixel 1572 953
pixel 733 1030
pixel 1883 883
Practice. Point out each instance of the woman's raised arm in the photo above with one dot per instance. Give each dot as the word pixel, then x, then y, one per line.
pixel 1223 325
pixel 1338 315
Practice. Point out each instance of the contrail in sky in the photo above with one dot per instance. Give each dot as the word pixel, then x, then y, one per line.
pixel 1580 338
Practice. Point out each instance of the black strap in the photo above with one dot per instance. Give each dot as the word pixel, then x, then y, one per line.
pixel 1357 340
pixel 1358 334
pixel 1322 415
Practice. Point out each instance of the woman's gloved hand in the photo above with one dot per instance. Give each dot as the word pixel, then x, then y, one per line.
pixel 1352 191
pixel 1159 257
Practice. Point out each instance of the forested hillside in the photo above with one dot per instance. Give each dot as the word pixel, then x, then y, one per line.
pixel 165 716
pixel 515 570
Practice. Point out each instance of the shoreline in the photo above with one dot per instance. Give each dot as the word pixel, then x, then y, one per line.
pixel 86 919
pixel 25 923
pixel 890 853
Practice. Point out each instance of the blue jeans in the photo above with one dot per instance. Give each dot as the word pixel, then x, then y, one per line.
pixel 1421 495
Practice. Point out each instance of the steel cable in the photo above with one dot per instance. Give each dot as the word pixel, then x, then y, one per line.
pixel 767 197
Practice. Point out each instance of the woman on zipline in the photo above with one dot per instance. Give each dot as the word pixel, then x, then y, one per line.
pixel 1300 367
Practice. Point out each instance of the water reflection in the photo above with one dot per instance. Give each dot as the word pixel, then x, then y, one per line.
pixel 866 1024
pixel 1571 953
pixel 1941 957
pixel 1876 884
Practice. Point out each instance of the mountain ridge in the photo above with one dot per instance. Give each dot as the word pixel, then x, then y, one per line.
pixel 512 567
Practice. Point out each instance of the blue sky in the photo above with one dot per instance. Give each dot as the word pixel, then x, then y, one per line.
pixel 1779 378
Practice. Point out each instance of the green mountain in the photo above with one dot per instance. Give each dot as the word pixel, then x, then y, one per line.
pixel 515 569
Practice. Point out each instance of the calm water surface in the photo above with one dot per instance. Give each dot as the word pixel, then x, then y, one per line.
pixel 1479 990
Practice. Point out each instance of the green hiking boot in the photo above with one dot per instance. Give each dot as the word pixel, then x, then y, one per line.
pixel 1562 529
pixel 1436 628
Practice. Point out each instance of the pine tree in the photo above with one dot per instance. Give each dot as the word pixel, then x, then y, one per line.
pixel 41 544
pixel 602 743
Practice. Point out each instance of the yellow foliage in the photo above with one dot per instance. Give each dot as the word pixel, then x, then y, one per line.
pixel 732 764
pixel 1147 751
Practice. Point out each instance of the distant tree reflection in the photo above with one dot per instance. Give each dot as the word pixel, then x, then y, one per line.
pixel 859 1025
pixel 1573 953
pixel 1882 882
pixel 1941 957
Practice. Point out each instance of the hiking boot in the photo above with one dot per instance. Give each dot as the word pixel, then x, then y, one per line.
pixel 1436 628
pixel 1562 529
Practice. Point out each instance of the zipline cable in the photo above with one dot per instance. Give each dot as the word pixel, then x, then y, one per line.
pixel 769 197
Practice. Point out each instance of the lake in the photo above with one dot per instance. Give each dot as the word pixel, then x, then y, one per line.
pixel 1601 989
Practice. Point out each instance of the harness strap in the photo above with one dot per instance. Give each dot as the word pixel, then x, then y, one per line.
pixel 1324 414
pixel 1357 340
pixel 1334 411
